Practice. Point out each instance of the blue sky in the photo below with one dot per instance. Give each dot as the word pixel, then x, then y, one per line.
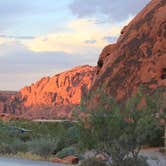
pixel 44 37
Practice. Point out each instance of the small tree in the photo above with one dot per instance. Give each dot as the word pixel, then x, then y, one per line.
pixel 120 130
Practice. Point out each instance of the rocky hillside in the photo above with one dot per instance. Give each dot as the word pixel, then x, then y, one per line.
pixel 138 57
pixel 10 102
pixel 49 97
pixel 62 89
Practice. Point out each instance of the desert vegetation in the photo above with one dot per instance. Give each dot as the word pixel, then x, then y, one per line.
pixel 38 140
pixel 118 131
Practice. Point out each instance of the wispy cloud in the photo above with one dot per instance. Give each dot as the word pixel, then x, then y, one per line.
pixel 92 41
pixel 17 37
pixel 110 39
pixel 20 66
pixel 116 10
pixel 83 36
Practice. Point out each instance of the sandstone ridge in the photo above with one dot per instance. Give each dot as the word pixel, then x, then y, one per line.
pixel 62 89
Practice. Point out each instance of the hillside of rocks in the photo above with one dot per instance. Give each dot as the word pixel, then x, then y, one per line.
pixel 56 96
pixel 10 102
pixel 139 56
pixel 62 89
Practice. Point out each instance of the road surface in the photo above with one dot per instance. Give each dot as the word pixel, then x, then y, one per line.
pixel 4 161
pixel 155 158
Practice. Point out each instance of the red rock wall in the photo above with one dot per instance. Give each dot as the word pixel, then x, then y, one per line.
pixel 62 89
pixel 10 102
pixel 50 97
pixel 138 57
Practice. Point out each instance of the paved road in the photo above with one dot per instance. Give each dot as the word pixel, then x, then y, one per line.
pixel 19 162
pixel 155 158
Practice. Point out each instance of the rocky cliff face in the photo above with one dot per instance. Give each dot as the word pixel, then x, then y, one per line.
pixel 62 89
pixel 138 57
pixel 10 102
pixel 50 97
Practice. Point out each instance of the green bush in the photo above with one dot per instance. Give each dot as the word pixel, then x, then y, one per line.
pixel 14 147
pixel 42 146
pixel 72 135
pixel 18 146
pixel 120 130
pixel 132 162
pixel 66 152
pixel 92 162
pixel 5 148
pixel 42 139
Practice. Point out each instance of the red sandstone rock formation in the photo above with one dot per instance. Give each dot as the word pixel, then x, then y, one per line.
pixel 138 57
pixel 51 97
pixel 10 102
pixel 58 93
pixel 61 89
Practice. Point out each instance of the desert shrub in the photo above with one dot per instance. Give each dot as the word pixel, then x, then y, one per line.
pixel 72 135
pixel 18 146
pixel 156 140
pixel 141 161
pixel 5 148
pixel 66 152
pixel 42 139
pixel 92 162
pixel 67 138
pixel 42 146
pixel 12 145
pixel 25 137
pixel 120 130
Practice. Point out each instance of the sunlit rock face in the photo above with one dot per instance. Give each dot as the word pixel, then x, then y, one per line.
pixel 50 97
pixel 138 57
pixel 62 89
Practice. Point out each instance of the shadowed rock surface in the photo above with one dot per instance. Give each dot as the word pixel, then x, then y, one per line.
pixel 10 102
pixel 138 57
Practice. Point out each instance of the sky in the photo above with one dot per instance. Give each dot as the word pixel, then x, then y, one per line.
pixel 44 37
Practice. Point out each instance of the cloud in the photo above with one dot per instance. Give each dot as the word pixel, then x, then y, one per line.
pixel 82 36
pixel 110 39
pixel 17 37
pixel 25 61
pixel 117 10
pixel 90 41
pixel 18 16
pixel 19 66
pixel 17 7
pixel 15 52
